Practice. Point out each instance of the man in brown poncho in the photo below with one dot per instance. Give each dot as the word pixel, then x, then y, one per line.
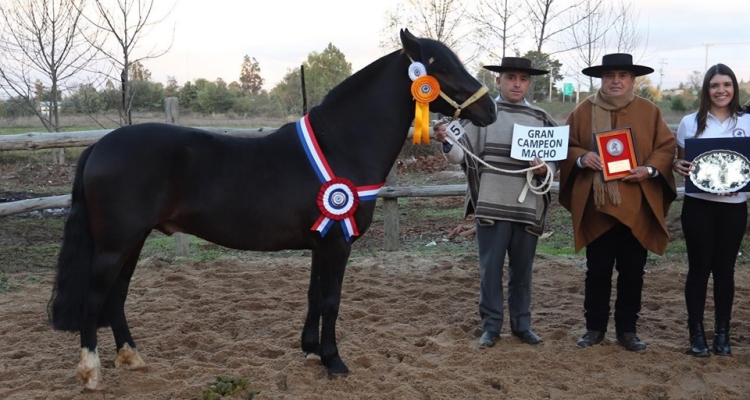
pixel 618 221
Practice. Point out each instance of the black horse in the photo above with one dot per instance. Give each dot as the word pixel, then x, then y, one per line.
pixel 309 185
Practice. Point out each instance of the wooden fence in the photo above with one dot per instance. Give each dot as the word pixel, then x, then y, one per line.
pixel 389 193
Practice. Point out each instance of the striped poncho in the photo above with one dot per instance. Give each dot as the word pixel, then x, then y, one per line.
pixel 493 195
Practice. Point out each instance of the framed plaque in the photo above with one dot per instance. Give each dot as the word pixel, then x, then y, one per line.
pixel 720 165
pixel 617 151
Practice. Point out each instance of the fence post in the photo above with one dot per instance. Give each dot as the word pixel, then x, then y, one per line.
pixel 172 113
pixel 390 214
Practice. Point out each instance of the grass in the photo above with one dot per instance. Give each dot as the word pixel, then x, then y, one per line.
pixel 5 284
pixel 162 247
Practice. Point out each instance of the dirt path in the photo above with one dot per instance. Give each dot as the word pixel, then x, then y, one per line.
pixel 408 329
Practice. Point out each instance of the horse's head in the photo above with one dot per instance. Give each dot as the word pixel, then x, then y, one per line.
pixel 461 93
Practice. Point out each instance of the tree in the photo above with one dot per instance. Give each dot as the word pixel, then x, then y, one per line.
pixel 695 81
pixel 627 36
pixel 443 20
pixel 644 88
pixel 187 96
pixel 213 97
pixel 678 104
pixel 124 22
pixel 488 79
pixel 497 23
pixel 173 88
pixel 588 34
pixel 41 50
pixel 540 87
pixel 545 18
pixel 323 71
pixel 85 99
pixel 287 95
pixel 251 83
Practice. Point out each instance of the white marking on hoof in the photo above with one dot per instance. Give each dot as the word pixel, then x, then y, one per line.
pixel 89 370
pixel 128 358
pixel 312 359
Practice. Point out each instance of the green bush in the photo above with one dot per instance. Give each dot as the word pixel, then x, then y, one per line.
pixel 678 105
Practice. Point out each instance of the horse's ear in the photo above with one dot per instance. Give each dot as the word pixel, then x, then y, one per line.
pixel 411 45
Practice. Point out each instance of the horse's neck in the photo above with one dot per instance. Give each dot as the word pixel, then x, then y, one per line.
pixel 363 128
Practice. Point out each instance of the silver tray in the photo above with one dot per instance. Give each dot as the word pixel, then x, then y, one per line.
pixel 720 171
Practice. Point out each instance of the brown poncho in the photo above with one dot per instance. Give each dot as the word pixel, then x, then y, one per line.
pixel 644 204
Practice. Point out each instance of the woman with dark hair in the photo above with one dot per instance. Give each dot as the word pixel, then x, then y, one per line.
pixel 713 224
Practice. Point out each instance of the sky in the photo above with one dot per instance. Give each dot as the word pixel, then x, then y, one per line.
pixel 211 37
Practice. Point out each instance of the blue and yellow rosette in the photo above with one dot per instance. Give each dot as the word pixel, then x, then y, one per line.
pixel 425 89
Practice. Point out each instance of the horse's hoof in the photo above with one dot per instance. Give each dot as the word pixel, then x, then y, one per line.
pixel 337 368
pixel 89 371
pixel 336 375
pixel 128 358
pixel 91 387
pixel 312 359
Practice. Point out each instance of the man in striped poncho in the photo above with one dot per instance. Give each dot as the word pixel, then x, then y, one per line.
pixel 509 219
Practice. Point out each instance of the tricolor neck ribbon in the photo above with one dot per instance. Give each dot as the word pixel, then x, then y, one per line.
pixel 338 198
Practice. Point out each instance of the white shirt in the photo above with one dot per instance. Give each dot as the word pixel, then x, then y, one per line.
pixel 731 127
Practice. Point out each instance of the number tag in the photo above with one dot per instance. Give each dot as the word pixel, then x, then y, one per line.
pixel 456 129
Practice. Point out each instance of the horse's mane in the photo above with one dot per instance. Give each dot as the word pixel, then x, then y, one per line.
pixel 360 77
pixel 367 74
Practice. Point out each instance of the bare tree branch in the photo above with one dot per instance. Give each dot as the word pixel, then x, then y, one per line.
pixel 41 49
pixel 626 34
pixel 588 35
pixel 547 19
pixel 498 26
pixel 125 24
pixel 443 20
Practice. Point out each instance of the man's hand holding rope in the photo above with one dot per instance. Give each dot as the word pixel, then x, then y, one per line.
pixel 536 167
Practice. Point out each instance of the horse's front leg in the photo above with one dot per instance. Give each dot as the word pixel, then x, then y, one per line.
pixel 330 260
pixel 310 333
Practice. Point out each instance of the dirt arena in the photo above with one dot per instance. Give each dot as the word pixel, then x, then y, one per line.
pixel 408 329
pixel 408 326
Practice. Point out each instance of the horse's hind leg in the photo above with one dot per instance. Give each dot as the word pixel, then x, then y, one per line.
pixel 106 269
pixel 330 260
pixel 127 354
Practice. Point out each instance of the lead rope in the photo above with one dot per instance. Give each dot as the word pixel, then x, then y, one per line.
pixel 543 188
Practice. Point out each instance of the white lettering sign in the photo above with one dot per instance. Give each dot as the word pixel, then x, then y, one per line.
pixel 549 143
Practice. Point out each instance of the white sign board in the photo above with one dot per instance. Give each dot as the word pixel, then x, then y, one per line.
pixel 549 143
pixel 456 129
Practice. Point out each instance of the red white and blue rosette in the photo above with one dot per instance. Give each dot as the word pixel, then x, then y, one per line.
pixel 338 198
pixel 337 201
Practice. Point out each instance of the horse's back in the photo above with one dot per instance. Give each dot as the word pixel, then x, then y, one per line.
pixel 214 186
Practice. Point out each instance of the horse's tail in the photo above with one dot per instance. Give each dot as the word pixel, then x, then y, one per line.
pixel 67 306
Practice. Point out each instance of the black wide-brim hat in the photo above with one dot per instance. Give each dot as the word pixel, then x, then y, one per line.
pixel 515 64
pixel 617 62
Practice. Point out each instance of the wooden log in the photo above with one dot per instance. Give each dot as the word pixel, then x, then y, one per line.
pixel 40 140
pixel 38 204
pixel 394 192
pixel 37 140
pixel 387 193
